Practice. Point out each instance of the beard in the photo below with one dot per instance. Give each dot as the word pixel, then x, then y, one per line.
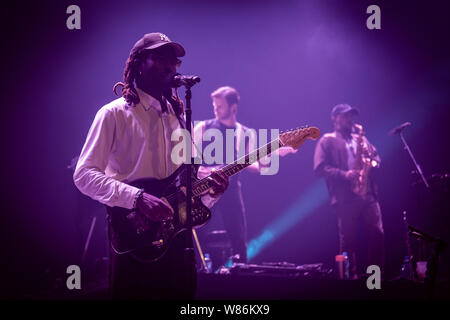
pixel 162 81
pixel 225 115
pixel 345 129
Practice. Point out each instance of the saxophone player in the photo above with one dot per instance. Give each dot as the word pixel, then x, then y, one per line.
pixel 345 159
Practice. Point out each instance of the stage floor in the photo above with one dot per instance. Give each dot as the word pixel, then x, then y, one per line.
pixel 265 287
pixel 271 287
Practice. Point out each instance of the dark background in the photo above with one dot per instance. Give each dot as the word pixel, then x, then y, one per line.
pixel 291 61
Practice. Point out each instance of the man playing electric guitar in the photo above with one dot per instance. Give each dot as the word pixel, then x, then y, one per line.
pixel 130 140
pixel 228 212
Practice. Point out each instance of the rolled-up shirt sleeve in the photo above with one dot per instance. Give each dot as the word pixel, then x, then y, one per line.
pixel 89 176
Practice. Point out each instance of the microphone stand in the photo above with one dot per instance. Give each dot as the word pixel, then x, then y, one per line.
pixel 408 265
pixel 438 246
pixel 188 111
pixel 419 170
pixel 189 254
pixel 408 270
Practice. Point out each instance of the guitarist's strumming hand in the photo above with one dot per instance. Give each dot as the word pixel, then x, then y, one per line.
pixel 153 208
pixel 219 181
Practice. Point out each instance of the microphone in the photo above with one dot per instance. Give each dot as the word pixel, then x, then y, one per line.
pixel 179 80
pixel 399 128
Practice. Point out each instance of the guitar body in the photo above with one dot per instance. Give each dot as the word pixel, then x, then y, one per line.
pixel 152 242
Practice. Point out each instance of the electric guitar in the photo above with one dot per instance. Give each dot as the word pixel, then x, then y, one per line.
pixel 131 235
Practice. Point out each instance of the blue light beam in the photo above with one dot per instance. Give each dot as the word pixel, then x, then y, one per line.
pixel 301 208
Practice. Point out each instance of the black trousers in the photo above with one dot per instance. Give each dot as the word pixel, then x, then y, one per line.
pixel 174 277
pixel 354 216
pixel 229 213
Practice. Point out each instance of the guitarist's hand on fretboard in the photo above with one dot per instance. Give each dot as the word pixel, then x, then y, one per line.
pixel 218 179
pixel 204 171
pixel 220 183
pixel 283 151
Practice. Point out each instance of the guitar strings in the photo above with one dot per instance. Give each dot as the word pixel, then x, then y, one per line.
pixel 229 169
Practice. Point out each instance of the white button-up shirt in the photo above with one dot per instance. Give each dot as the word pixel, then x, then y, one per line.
pixel 124 144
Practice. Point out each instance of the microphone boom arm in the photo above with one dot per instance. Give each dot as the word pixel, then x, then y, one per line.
pixel 179 80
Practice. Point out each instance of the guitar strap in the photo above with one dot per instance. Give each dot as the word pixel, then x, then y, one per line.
pixel 238 136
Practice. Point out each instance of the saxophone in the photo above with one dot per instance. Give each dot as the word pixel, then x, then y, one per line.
pixel 364 162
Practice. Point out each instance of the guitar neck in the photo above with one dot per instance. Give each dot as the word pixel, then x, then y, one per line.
pixel 245 161
pixel 233 168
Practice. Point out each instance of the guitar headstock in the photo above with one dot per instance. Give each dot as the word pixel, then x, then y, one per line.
pixel 294 138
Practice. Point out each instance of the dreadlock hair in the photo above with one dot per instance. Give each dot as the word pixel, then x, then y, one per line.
pixel 129 92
